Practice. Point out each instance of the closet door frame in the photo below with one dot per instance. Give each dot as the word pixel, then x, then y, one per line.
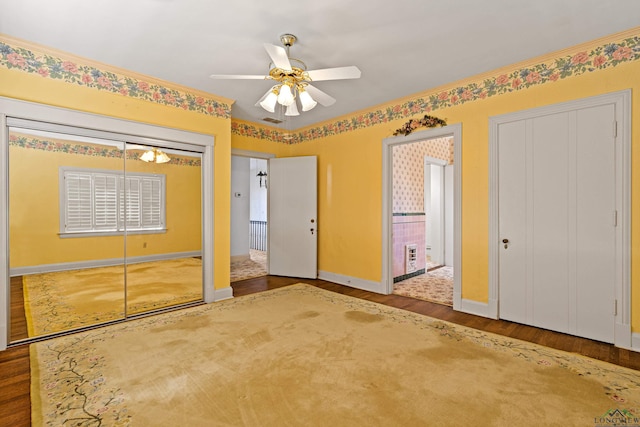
pixel 151 134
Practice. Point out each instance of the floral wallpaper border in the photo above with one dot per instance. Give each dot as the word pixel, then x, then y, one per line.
pixel 86 150
pixel 600 57
pixel 48 66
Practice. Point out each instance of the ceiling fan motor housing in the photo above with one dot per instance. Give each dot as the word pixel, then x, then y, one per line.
pixel 288 39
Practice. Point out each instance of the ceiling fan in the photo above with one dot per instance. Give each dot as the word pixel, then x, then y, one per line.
pixel 294 81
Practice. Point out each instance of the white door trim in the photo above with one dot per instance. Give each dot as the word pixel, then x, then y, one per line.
pixel 387 203
pixel 622 102
pixel 252 154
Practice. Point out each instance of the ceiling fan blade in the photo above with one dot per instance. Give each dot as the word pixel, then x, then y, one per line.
pixel 279 56
pixel 320 96
pixel 236 77
pixel 351 72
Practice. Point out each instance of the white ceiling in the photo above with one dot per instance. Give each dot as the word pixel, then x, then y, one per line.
pixel 402 47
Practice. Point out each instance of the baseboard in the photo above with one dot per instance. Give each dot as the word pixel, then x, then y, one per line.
pixel 476 308
pixel 81 265
pixel 409 275
pixel 635 341
pixel 353 282
pixel 222 294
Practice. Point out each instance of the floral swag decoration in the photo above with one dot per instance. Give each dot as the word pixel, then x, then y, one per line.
pixel 427 121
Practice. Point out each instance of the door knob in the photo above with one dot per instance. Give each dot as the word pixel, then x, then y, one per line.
pixel 506 243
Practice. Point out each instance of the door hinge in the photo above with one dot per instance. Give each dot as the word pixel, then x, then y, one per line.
pixel 615 129
pixel 615 307
pixel 615 218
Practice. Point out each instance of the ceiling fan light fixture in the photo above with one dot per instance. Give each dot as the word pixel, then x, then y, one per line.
pixel 148 156
pixel 155 156
pixel 285 97
pixel 306 100
pixel 294 80
pixel 292 110
pixel 269 103
pixel 161 157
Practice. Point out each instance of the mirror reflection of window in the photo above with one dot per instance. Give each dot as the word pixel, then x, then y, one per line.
pixel 96 233
pixel 56 272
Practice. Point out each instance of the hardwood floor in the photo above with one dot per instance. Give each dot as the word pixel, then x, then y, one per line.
pixel 15 402
pixel 18 318
pixel 15 379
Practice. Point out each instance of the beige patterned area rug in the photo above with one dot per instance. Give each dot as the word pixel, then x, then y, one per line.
pixel 300 355
pixel 435 286
pixel 256 266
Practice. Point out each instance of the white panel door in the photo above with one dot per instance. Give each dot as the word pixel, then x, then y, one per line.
pixel 293 224
pixel 595 224
pixel 557 199
pixel 513 225
pixel 551 218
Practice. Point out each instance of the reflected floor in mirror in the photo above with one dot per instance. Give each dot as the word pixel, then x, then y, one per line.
pixel 60 301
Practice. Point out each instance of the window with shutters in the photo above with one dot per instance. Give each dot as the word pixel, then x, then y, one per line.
pixel 96 201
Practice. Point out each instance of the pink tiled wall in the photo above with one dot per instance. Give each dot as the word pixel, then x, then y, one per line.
pixel 408 230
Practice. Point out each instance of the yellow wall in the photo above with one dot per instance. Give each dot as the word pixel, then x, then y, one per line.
pixel 29 86
pixel 34 190
pixel 350 167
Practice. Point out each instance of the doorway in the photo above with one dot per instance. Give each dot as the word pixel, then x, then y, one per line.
pixel 292 223
pixel 420 216
pixel 249 214
pixel 406 187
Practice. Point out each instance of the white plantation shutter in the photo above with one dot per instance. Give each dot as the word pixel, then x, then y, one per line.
pixel 152 203
pixel 102 201
pixel 105 202
pixel 130 203
pixel 78 213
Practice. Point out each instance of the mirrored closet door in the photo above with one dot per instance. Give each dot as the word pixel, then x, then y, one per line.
pixel 100 229
pixel 164 227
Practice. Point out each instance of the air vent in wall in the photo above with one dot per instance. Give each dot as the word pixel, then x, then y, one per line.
pixel 272 120
pixel 411 258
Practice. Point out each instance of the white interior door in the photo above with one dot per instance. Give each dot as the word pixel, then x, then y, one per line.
pixel 512 188
pixel 557 207
pixel 293 223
